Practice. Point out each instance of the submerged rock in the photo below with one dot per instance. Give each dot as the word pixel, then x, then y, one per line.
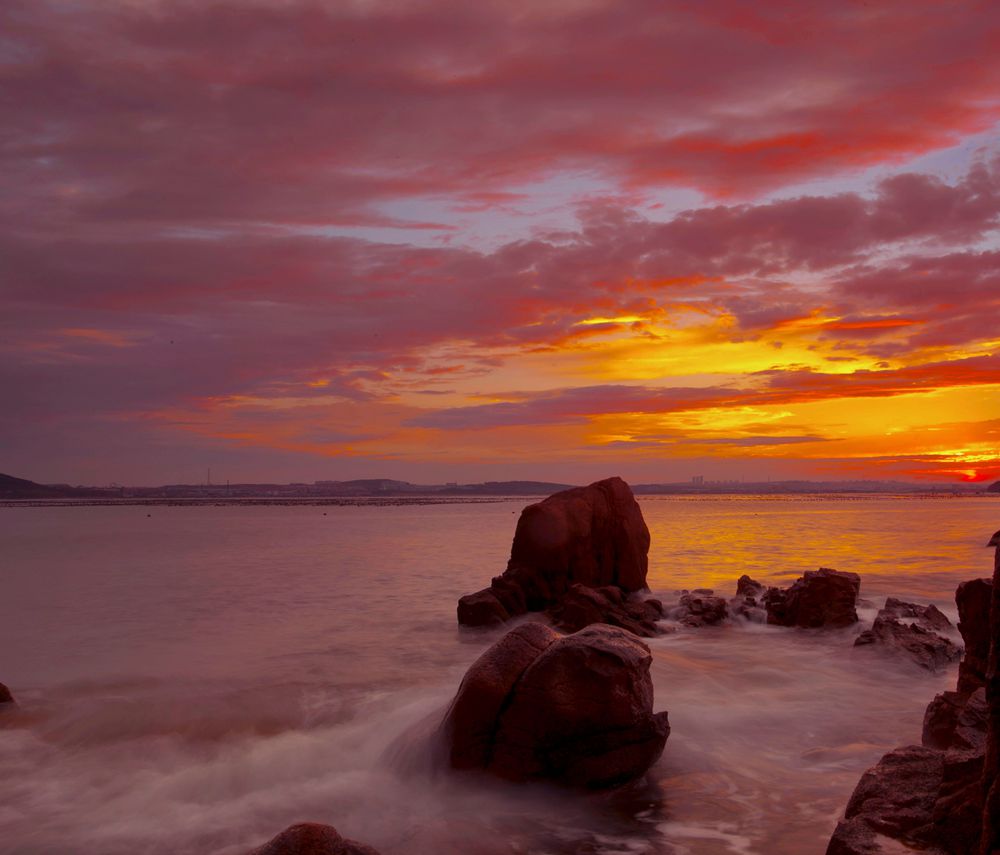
pixel 591 536
pixel 312 838
pixel 574 709
pixel 821 598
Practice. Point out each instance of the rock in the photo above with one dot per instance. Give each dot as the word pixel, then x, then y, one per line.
pixel 5 696
pixel 748 603
pixel 945 796
pixel 470 723
pixel 747 587
pixel 941 719
pixel 929 617
pixel 575 709
pixel 700 608
pixel 821 598
pixel 896 797
pixel 312 838
pixel 581 606
pixel 973 601
pixel 481 609
pixel 591 536
pixel 922 646
pixel 990 782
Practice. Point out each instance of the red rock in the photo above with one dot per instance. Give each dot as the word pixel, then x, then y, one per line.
pixel 697 609
pixel 482 608
pixel 929 617
pixel 944 797
pixel 973 601
pixel 990 783
pixel 821 598
pixel 592 536
pixel 470 724
pixel 581 606
pixel 747 587
pixel 574 709
pixel 941 719
pixel 921 646
pixel 312 838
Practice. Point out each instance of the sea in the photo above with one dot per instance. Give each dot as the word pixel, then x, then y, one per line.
pixel 195 679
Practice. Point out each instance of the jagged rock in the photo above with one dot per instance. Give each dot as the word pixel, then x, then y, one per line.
pixel 922 646
pixel 894 798
pixel 575 709
pixel 312 838
pixel 929 617
pixel 700 608
pixel 582 606
pixel 747 587
pixel 748 603
pixel 593 536
pixel 990 783
pixel 943 798
pixel 821 598
pixel 973 601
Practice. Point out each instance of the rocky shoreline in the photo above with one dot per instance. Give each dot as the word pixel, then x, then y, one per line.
pixel 565 696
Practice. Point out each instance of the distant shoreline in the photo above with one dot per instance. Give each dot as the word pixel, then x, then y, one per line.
pixel 394 501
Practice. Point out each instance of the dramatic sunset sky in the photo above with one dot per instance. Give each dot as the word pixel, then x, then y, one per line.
pixel 457 240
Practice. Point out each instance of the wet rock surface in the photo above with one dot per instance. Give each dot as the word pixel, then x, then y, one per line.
pixel 700 608
pixel 592 536
pixel 312 838
pixel 907 630
pixel 823 598
pixel 943 796
pixel 581 606
pixel 574 709
pixel 973 599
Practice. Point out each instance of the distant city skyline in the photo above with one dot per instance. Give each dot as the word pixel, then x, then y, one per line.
pixel 446 241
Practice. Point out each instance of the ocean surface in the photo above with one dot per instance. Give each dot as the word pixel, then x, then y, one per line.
pixel 193 680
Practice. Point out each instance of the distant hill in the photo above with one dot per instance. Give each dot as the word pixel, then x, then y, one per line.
pixel 503 488
pixel 994 487
pixel 21 488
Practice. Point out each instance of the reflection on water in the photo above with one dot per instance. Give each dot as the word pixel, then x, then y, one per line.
pixel 194 681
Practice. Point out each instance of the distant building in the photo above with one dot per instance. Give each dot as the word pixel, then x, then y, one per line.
pixel 698 480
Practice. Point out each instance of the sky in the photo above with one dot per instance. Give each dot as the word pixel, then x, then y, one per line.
pixel 438 240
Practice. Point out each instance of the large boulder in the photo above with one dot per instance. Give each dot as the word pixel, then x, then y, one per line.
pixel 821 598
pixel 591 536
pixel 5 696
pixel 312 838
pixel 575 709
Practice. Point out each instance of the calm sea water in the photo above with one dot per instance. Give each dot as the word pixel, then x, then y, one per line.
pixel 194 680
